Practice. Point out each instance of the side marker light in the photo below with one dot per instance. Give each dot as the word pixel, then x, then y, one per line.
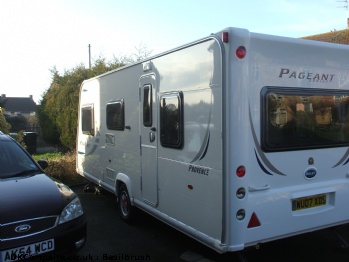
pixel 225 37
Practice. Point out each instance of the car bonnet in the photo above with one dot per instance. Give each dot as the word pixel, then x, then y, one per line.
pixel 32 196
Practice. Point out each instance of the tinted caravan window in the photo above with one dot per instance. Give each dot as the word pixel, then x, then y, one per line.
pixel 147 106
pixel 87 120
pixel 304 118
pixel 116 115
pixel 171 120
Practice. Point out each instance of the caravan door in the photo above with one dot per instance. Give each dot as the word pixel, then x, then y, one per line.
pixel 149 137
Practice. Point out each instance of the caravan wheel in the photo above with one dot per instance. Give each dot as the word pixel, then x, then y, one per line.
pixel 124 204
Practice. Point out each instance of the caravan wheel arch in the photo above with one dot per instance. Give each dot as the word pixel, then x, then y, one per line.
pixel 123 179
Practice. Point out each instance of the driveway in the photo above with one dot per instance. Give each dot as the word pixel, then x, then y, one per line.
pixel 111 239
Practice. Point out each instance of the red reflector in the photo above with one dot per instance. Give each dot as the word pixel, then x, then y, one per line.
pixel 225 37
pixel 240 171
pixel 240 52
pixel 254 221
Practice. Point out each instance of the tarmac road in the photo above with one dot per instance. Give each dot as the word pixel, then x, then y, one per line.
pixel 111 239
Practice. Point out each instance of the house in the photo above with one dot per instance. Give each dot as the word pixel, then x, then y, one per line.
pixel 18 112
pixel 18 106
pixel 335 36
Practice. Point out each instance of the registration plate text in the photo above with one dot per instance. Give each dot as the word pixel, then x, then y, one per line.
pixel 25 252
pixel 308 202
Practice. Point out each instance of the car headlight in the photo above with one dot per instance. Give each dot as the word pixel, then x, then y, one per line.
pixel 71 211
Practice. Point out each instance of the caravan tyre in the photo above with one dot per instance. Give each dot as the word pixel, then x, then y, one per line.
pixel 124 204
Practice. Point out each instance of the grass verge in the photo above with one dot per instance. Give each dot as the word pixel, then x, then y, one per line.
pixel 62 167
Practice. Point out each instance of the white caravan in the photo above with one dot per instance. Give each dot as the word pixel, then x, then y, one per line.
pixel 235 139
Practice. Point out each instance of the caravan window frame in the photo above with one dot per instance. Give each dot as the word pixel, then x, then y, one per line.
pixel 115 109
pixel 303 118
pixel 87 120
pixel 172 132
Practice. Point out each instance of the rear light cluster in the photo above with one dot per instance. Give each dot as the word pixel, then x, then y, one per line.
pixel 241 171
pixel 240 51
pixel 240 194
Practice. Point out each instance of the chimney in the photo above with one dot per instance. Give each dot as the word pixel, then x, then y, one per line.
pixel 31 97
pixel 3 95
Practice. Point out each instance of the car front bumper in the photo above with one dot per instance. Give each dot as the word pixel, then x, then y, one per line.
pixel 66 239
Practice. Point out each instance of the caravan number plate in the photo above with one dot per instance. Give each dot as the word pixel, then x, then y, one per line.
pixel 308 202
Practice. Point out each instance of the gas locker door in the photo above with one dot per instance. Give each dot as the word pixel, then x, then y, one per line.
pixel 149 138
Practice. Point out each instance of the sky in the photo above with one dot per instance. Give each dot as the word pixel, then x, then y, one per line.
pixel 39 35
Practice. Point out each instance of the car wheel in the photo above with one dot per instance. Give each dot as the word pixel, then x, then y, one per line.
pixel 126 210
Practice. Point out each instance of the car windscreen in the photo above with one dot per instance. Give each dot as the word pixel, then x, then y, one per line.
pixel 14 161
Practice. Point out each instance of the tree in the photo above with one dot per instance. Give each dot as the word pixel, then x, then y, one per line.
pixel 17 123
pixel 141 53
pixel 58 111
pixel 5 127
pixel 49 128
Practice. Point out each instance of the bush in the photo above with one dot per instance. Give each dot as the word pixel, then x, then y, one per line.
pixel 62 167
pixel 4 126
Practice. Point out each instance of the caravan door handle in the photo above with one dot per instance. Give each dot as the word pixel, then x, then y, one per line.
pixel 258 188
pixel 151 136
pixel 153 129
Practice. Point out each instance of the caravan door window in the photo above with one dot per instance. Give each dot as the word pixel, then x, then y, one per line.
pixel 116 115
pixel 294 119
pixel 171 120
pixel 87 120
pixel 147 106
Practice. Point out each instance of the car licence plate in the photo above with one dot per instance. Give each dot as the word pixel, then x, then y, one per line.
pixel 308 202
pixel 25 252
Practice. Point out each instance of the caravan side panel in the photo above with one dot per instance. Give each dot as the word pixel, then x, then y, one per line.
pixel 190 176
pixel 88 138
pixel 113 149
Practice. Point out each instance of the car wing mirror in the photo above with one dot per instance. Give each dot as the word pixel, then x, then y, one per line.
pixel 43 163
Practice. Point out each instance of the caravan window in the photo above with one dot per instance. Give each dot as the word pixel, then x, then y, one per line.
pixel 304 118
pixel 171 120
pixel 147 106
pixel 87 120
pixel 116 115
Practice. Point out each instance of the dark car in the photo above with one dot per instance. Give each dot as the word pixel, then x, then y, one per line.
pixel 38 215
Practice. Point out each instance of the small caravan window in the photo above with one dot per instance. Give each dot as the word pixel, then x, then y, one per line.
pixel 116 115
pixel 171 120
pixel 87 120
pixel 304 118
pixel 147 106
